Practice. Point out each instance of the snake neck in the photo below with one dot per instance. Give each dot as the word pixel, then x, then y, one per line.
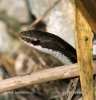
pixel 57 54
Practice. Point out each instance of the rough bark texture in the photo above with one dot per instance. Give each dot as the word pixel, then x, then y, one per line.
pixel 84 54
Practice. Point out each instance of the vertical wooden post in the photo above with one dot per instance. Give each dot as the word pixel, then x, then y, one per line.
pixel 84 55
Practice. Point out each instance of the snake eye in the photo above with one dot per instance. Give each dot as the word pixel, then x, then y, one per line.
pixel 35 42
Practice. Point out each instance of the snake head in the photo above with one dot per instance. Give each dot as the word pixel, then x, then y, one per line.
pixel 48 43
pixel 30 37
pixel 42 41
pixel 36 38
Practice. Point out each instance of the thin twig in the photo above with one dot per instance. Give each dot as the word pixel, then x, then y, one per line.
pixel 71 88
pixel 58 93
pixel 44 15
pixel 8 63
pixel 67 71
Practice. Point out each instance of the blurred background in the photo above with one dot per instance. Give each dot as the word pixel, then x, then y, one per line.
pixel 54 16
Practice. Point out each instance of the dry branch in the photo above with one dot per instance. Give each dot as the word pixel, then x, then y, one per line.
pixel 44 15
pixel 8 64
pixel 62 72
pixel 84 55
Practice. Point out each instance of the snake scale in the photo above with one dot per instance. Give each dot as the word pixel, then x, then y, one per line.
pixel 50 44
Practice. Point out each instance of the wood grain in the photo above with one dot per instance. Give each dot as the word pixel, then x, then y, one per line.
pixel 84 55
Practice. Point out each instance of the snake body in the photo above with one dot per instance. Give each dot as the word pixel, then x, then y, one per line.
pixel 51 44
